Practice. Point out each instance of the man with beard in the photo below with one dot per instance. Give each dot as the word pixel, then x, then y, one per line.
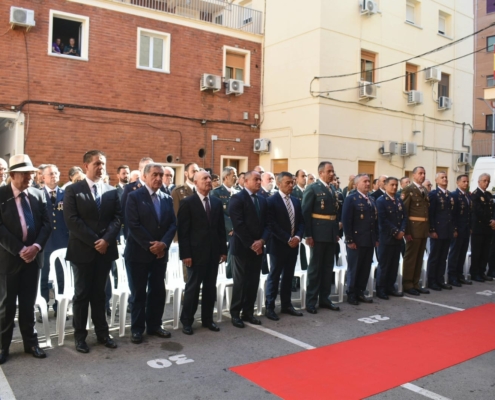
pixel 123 173
pixel 182 191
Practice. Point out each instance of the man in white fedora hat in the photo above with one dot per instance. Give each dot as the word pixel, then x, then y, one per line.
pixel 24 230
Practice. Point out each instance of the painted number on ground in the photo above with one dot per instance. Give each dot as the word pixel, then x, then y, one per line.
pixel 486 293
pixel 164 363
pixel 373 319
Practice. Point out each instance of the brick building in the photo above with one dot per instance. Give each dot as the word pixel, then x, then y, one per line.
pixel 133 87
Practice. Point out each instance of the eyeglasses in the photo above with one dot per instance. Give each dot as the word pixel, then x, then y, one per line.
pixel 168 175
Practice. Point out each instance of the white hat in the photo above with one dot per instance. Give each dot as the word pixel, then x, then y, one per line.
pixel 21 163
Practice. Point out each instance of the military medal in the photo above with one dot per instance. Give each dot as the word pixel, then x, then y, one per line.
pixel 60 206
pixel 362 216
pixel 225 206
pixel 482 198
pixel 322 204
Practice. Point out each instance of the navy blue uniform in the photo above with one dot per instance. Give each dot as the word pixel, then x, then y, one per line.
pixel 392 220
pixel 360 220
pixel 481 232
pixel 441 223
pixel 459 245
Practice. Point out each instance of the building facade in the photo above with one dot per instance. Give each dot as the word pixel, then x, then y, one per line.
pixel 133 82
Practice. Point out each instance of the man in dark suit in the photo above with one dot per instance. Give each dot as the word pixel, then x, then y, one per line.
pixel 92 214
pixel 460 244
pixel 168 179
pixel 248 213
pixel 123 173
pixel 286 225
pixel 442 231
pixel 24 230
pixel 360 220
pixel 202 246
pixel 380 191
pixel 392 220
pixel 152 226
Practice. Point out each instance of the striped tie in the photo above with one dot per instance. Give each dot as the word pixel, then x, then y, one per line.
pixel 28 217
pixel 97 197
pixel 291 215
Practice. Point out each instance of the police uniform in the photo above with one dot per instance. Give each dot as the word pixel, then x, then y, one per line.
pixel 459 245
pixel 392 219
pixel 320 209
pixel 481 234
pixel 416 204
pixel 360 220
pixel 442 223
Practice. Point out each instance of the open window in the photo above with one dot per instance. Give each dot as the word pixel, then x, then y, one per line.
pixel 236 64
pixel 411 77
pixel 68 35
pixel 368 65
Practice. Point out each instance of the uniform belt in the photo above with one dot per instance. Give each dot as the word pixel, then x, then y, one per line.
pixel 419 219
pixel 323 216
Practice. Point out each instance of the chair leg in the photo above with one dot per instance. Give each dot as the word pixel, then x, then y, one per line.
pixel 303 291
pixel 259 301
pixel 114 309
pixel 122 313
pixel 424 275
pixel 61 316
pixel 46 324
pixel 177 304
pixel 341 285
pixel 89 324
pixel 228 296
pixel 220 295
pixel 399 277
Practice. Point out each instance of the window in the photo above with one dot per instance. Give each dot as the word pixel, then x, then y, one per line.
pixel 240 163
pixel 367 66
pixel 236 64
pixel 489 81
pixel 490 41
pixel 153 51
pixel 367 167
pixel 490 6
pixel 411 77
pixel 489 122
pixel 68 35
pixel 410 11
pixel 444 23
pixel 280 165
pixel 443 85
pixel 248 13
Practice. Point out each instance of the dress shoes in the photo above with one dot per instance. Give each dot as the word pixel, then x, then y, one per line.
pixel 487 278
pixel 311 309
pixel 4 356
pixel 270 314
pixel 412 291
pixel 107 342
pixel 423 291
pixel 330 306
pixel 477 278
pixel 212 326
pixel 351 299
pixel 137 338
pixel 491 274
pixel 291 311
pixel 382 295
pixel 251 319
pixel 160 332
pixel 445 286
pixel 363 299
pixel 237 322
pixel 465 281
pixel 187 329
pixel 435 286
pixel 454 282
pixel 35 351
pixel 82 347
pixel 395 293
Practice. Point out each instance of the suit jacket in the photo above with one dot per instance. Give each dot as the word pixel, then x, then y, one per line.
pixel 11 230
pixel 463 205
pixel 392 219
pixel 224 195
pixel 416 205
pixel 129 188
pixel 376 194
pixel 87 225
pixel 265 193
pixel 144 226
pixel 279 224
pixel 360 220
pixel 248 227
pixel 59 236
pixel 440 214
pixel 482 212
pixel 120 190
pixel 200 239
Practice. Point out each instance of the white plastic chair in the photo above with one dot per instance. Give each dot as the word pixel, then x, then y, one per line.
pixel 301 274
pixel 43 307
pixel 260 300
pixel 121 293
pixel 424 271
pixel 399 274
pixel 174 282
pixel 223 283
pixel 340 270
pixel 371 279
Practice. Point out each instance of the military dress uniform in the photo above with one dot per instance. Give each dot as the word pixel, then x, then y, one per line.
pixel 442 223
pixel 481 234
pixel 360 220
pixel 297 192
pixel 416 205
pixel 392 219
pixel 459 246
pixel 320 209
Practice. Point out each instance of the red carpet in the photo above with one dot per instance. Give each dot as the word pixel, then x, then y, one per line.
pixel 369 365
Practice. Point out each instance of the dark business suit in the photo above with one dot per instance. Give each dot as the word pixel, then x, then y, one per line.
pixel 282 257
pixel 202 240
pixel 147 271
pixel 249 226
pixel 459 245
pixel 129 188
pixel 377 194
pixel 87 225
pixel 482 213
pixel 18 279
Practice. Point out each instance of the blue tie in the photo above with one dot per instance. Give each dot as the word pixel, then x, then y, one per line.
pixel 28 217
pixel 156 203
pixel 97 197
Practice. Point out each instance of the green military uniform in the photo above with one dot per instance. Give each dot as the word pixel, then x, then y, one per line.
pixel 416 204
pixel 320 209
pixel 224 195
pixel 297 192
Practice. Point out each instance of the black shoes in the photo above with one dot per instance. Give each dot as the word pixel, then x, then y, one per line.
pixel 454 282
pixel 330 306
pixel 107 342
pixel 477 278
pixel 412 291
pixel 291 311
pixel 487 278
pixel 211 326
pixel 251 319
pixel 237 322
pixel 270 314
pixel 434 286
pixel 160 332
pixel 445 286
pixel 382 295
pixel 395 293
pixel 363 299
pixel 311 309
pixel 465 281
pixel 35 351
pixel 423 291
pixel 4 356
pixel 187 329
pixel 82 347
pixel 137 338
pixel 351 299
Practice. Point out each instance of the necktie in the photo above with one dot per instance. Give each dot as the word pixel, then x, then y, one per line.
pixel 256 204
pixel 97 197
pixel 156 204
pixel 53 197
pixel 207 207
pixel 291 215
pixel 28 217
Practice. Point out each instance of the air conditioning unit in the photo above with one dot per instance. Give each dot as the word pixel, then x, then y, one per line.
pixel 433 74
pixel 464 158
pixel 22 17
pixel 367 90
pixel 408 149
pixel 444 103
pixel 414 97
pixel 389 148
pixel 368 7
pixel 261 145
pixel 209 81
pixel 234 86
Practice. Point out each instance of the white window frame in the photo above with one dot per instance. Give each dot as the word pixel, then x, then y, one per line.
pixel 166 37
pixel 247 62
pixel 84 56
pixel 413 6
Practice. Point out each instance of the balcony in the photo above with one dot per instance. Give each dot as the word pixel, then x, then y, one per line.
pixel 217 12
